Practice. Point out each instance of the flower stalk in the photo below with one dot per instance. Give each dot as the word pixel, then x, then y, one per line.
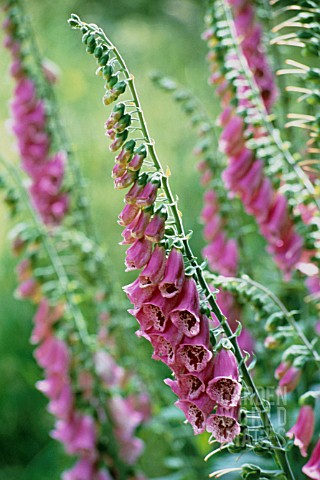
pixel 182 239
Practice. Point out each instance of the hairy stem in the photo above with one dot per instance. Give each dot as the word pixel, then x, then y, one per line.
pixel 279 452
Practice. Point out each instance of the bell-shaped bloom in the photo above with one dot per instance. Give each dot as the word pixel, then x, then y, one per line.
pixel 153 272
pixel 164 344
pixel 118 170
pixel 84 469
pixel 155 230
pixel 225 388
pixel 148 194
pixel 312 467
pixel 282 368
pixel 62 405
pixel 173 279
pixel 28 289
pixel 250 183
pixel 43 320
pixel 138 295
pixel 223 425
pixel 78 434
pixel 138 158
pixel 125 180
pixel 131 449
pixel 303 429
pixel 212 228
pixel 137 227
pixel 190 385
pixel 126 153
pixel 277 221
pixel 128 214
pixel 138 255
pixel 52 385
pixel 53 355
pixel 135 190
pixel 260 204
pixel 126 419
pixel 289 380
pixel 232 134
pixel 154 313
pixel 193 353
pixel 108 370
pixel 196 412
pixel 186 314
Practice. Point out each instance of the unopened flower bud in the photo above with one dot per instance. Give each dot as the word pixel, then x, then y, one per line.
pixel 98 51
pixel 118 170
pixel 112 80
pixel 125 180
pixel 107 72
pixel 123 123
pixel 120 138
pixel 113 94
pixel 116 114
pixel 155 230
pixel 149 193
pixel 137 160
pixel 104 59
pixel 128 214
pixel 126 152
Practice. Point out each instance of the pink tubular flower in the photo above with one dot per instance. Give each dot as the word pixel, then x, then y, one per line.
pixel 34 142
pixel 128 214
pixel 196 412
pixel 155 230
pixel 190 385
pixel 148 194
pixel 193 353
pixel 225 388
pixel 164 344
pixel 186 314
pixel 289 380
pixel 154 313
pixel 312 467
pixel 137 294
pixel 28 289
pixel 138 255
pixel 173 279
pixel 303 429
pixel 223 425
pixel 84 469
pixel 153 272
pixel 53 355
pixel 77 434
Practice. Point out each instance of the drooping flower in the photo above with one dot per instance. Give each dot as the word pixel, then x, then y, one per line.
pixel 312 467
pixel 289 379
pixel 303 429
pixel 225 388
pixel 223 425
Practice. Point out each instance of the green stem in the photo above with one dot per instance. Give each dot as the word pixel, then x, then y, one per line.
pixel 274 134
pixel 79 321
pixel 279 452
pixel 282 308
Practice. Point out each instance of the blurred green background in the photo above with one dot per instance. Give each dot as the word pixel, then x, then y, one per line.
pixel 152 35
